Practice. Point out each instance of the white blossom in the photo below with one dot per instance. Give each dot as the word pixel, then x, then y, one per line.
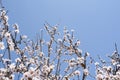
pixel 35 78
pixel 7 34
pixel 65 30
pixel 96 63
pixel 6 60
pixel 41 54
pixel 6 18
pixel 32 61
pixel 87 54
pixel 16 27
pixel 109 68
pixel 80 60
pixel 17 31
pixel 1 55
pixel 9 40
pixel 51 67
pixel 24 36
pixel 78 42
pixel 3 13
pixel 99 77
pixel 59 40
pixel 12 66
pixel 17 60
pixel 11 47
pixel 2 45
pixel 26 75
pixel 79 50
pixel 86 72
pixel 55 28
pixel 77 72
pixel 12 77
pixel 113 62
pixel 45 69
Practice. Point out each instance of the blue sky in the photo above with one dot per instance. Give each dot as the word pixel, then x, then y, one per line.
pixel 96 22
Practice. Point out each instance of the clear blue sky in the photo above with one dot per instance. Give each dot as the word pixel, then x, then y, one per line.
pixel 96 22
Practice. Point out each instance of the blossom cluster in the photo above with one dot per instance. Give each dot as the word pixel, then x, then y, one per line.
pixel 109 71
pixel 56 58
pixel 40 59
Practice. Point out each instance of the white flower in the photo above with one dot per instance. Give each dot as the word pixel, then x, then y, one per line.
pixel 109 68
pixel 68 35
pixel 87 54
pixel 16 27
pixel 35 78
pixel 17 51
pixel 11 47
pixel 6 18
pixel 17 60
pixel 99 77
pixel 55 27
pixel 80 60
pixel 77 72
pixel 1 75
pixel 1 55
pixel 17 31
pixel 78 42
pixel 7 35
pixel 26 75
pixel 113 62
pixel 96 63
pixel 45 69
pixel 6 60
pixel 51 67
pixel 118 72
pixel 105 67
pixel 72 64
pixel 86 72
pixel 12 77
pixel 79 50
pixel 32 60
pixel 3 13
pixel 23 36
pixel 59 40
pixel 11 44
pixel 107 77
pixel 21 66
pixel 2 45
pixel 10 41
pixel 41 54
pixel 65 30
pixel 3 32
pixel 12 66
pixel 2 72
pixel 6 78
